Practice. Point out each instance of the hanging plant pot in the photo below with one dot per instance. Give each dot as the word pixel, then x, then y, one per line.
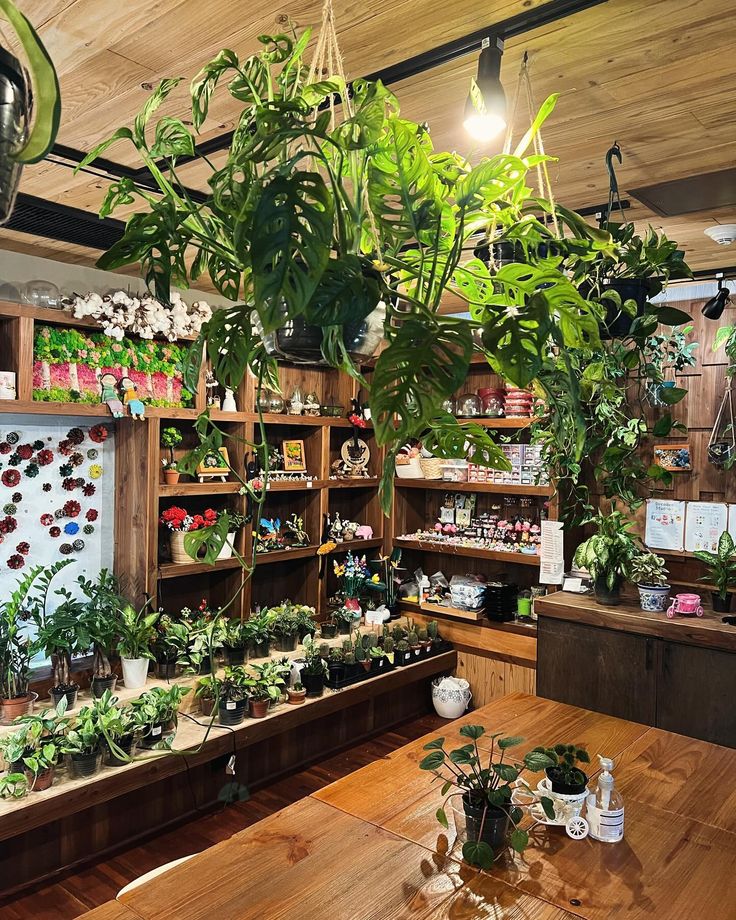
pixel 722 442
pixel 12 131
pixel 617 323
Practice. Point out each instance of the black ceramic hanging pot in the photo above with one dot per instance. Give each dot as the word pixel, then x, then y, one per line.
pixel 13 114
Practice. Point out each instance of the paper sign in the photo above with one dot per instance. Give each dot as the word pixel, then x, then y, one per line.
pixel 575 585
pixel 705 523
pixel 552 556
pixel 732 520
pixel 665 526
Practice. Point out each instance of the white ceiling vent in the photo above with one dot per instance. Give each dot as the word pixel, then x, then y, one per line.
pixel 723 234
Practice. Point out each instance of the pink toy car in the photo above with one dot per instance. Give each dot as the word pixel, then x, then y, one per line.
pixel 686 605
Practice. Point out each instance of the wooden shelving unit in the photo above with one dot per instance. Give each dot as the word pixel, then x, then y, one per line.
pixel 471 552
pixel 489 487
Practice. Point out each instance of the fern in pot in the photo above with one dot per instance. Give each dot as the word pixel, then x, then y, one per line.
pixel 649 574
pixel 607 555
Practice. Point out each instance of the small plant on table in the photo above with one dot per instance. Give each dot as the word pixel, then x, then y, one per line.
pixel 722 565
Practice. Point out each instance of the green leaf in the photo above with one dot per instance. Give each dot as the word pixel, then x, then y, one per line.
pixel 542 115
pixel 725 546
pixel 489 180
pixel 345 294
pixel 432 761
pixel 505 743
pixel 478 853
pixel 172 139
pixel 45 88
pixel 506 772
pixel 671 395
pixel 519 840
pixel 663 426
pixel 120 134
pixel 204 83
pixel 449 439
pixel 442 818
pixel 464 756
pixel 446 788
pixel 436 744
pixel 472 731
pixel 669 316
pixel 151 105
pixel 290 252
pixel 723 334
pixel 118 193
pixel 548 806
pixel 537 760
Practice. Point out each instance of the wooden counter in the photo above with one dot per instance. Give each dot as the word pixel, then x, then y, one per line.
pixel 677 674
pixel 368 847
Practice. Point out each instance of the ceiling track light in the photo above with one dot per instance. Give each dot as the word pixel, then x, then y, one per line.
pixel 714 308
pixel 485 107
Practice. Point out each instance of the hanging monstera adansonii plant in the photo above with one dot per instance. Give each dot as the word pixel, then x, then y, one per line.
pixel 353 226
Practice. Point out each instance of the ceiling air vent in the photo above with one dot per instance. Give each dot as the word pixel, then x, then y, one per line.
pixel 705 192
pixel 60 222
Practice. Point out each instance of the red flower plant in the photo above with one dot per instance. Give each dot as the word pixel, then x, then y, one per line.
pixel 98 433
pixel 47 519
pixel 23 548
pixel 71 508
pixel 10 478
pixel 75 435
pixel 16 561
pixel 176 519
pixel 8 525
pixel 92 514
pixel 44 457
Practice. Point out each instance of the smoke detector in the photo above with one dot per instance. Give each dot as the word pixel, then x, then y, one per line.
pixel 723 234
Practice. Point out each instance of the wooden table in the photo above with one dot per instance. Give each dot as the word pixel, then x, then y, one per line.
pixel 368 846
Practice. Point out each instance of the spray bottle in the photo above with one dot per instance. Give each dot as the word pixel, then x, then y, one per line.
pixel 605 807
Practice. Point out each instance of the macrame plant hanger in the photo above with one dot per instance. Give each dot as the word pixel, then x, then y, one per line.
pixel 722 442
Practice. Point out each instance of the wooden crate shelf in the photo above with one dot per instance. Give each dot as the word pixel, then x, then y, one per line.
pixel 198 488
pixel 490 487
pixel 177 570
pixel 427 546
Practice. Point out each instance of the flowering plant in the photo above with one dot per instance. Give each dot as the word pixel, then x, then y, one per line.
pixel 181 521
pixel 354 573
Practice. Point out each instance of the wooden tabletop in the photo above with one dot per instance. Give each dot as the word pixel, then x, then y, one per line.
pixel 708 631
pixel 368 847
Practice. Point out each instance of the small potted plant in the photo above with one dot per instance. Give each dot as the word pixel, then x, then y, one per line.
pixel 257 629
pixel 566 778
pixel 102 605
pixel 208 693
pixel 62 633
pixel 136 631
pixel 117 730
pixel 297 694
pixel 13 786
pixel 649 574
pixel 34 748
pixel 82 744
pixel 235 520
pixel 235 641
pixel 259 697
pixel 305 620
pixel 722 565
pixel 315 670
pixel 484 780
pixel 402 652
pixel 284 627
pixel 328 629
pixel 233 696
pixel 608 555
pixel 336 667
pixel 180 523
pixel 208 632
pixel 170 642
pixel 155 713
pixel 170 438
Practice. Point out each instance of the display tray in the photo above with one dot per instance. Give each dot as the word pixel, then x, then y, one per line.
pixel 450 611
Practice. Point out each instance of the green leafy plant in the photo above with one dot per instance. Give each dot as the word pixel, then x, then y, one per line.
pixel 564 757
pixel 100 612
pixel 721 565
pixel 158 706
pixel 16 649
pixel 265 681
pixel 84 735
pixel 609 553
pixel 13 786
pixel 136 631
pixel 171 638
pixel 170 438
pixel 648 569
pixel 488 786
pixel 62 631
pixel 116 723
pixel 36 743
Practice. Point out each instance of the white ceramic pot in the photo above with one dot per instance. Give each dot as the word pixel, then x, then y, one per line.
pixel 227 547
pixel 135 671
pixel 450 696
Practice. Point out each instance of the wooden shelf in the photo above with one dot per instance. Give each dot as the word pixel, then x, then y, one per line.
pixel 93 410
pixel 352 545
pixel 440 613
pixel 442 549
pixel 282 555
pixel 176 570
pixel 500 422
pixel 313 485
pixel 491 487
pixel 198 488
pixel 352 483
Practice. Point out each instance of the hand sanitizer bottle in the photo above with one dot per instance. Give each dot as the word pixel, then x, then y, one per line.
pixel 605 812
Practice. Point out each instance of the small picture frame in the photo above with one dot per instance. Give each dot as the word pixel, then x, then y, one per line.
pixel 463 517
pixel 294 456
pixel 673 457
pixel 214 465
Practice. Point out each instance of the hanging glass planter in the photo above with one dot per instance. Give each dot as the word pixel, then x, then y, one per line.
pixel 722 443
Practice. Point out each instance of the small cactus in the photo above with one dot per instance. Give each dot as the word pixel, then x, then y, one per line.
pixel 367 641
pixel 413 639
pixel 398 633
pixel 359 652
pixel 336 655
pixel 384 632
pixel 349 656
pixel 433 629
pixel 388 645
pixel 347 645
pixel 422 635
pixel 324 650
pixel 402 646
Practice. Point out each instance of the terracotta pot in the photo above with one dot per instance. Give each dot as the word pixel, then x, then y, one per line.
pixel 43 781
pixel 258 708
pixel 171 477
pixel 206 705
pixel 20 706
pixel 297 697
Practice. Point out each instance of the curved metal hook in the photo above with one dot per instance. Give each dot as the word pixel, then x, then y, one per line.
pixel 614 151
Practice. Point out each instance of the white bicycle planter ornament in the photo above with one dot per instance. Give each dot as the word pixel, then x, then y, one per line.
pixel 568 808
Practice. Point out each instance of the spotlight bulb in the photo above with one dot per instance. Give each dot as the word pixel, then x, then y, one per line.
pixel 714 308
pixel 484 127
pixel 485 108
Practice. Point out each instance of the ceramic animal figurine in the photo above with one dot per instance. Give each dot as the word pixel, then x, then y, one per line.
pixel 110 396
pixel 228 403
pixel 364 532
pixel 131 399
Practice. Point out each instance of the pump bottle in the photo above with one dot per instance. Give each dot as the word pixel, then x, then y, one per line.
pixel 605 807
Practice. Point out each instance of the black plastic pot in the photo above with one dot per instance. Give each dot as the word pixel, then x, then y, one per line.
pixel 563 788
pixel 71 697
pixel 379 665
pixel 343 629
pixel 166 668
pixel 284 643
pixel 314 684
pixel 303 633
pixel 205 666
pixel 232 712
pixel 484 822
pixel 154 735
pixel 402 658
pixel 719 605
pixel 328 630
pixel 607 597
pixel 260 649
pixel 125 744
pixel 337 672
pixel 617 324
pixel 85 764
pixel 100 684
pixel 235 654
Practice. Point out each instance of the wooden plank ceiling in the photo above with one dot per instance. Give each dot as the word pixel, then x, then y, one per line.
pixel 656 75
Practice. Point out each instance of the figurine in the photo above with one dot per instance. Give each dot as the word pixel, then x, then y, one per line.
pixel 364 532
pixel 294 526
pixel 131 399
pixel 311 405
pixel 271 538
pixel 348 530
pixel 110 396
pixel 336 529
pixel 228 403
pixel 296 403
pixel 211 385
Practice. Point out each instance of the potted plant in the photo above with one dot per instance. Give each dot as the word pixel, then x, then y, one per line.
pixel 13 786
pixel 608 555
pixel 208 632
pixel 170 643
pixel 315 670
pixel 34 748
pixel 155 713
pixel 82 743
pixel 722 565
pixel 260 694
pixel 136 631
pixel 484 781
pixel 387 568
pixel 353 572
pixel 180 523
pixel 208 693
pixel 257 629
pixel 304 616
pixel 277 672
pixel 328 629
pixel 16 650
pixel 117 730
pixel 101 611
pixel 235 641
pixel 235 520
pixel 170 438
pixel 285 627
pixel 649 574
pixel 297 694
pixel 61 632
pixel 233 697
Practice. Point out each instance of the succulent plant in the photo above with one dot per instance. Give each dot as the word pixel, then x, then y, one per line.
pixel 433 629
pixel 398 633
pixel 324 650
pixel 422 635
pixel 336 655
pixel 402 646
pixel 388 645
pixel 413 639
pixel 360 654
pixel 349 656
pixel 347 645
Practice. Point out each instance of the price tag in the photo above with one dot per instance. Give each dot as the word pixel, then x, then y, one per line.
pixel 229 705
pixel 309 484
pixel 156 730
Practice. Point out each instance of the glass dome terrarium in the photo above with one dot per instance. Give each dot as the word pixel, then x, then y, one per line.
pixel 468 406
pixel 42 294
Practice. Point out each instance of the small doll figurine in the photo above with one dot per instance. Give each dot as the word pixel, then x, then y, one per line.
pixel 131 399
pixel 109 390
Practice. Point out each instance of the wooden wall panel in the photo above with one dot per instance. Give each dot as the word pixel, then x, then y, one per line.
pixel 490 679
